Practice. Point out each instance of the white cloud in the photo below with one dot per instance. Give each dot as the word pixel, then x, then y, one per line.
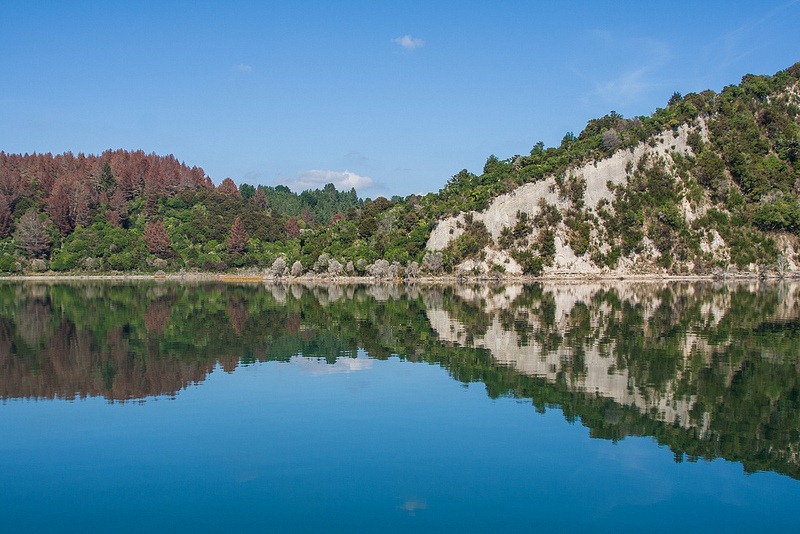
pixel 316 179
pixel 408 42
pixel 253 177
pixel 243 67
pixel 643 70
pixel 318 366
pixel 625 87
pixel 354 155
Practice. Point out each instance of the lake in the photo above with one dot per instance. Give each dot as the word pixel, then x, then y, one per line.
pixel 160 406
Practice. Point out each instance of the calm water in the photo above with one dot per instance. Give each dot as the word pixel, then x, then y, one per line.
pixel 154 407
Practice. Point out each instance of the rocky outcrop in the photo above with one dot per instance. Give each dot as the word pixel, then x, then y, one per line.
pixel 599 180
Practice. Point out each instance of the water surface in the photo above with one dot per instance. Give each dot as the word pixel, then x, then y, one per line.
pixel 132 407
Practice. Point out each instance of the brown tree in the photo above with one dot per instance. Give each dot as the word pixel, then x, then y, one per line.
pixel 81 206
pixel 156 238
pixel 238 314
pixel 237 239
pixel 227 187
pixel 150 206
pixel 31 234
pixel 5 216
pixel 308 217
pixel 157 315
pixel 260 198
pixel 292 228
pixel 58 208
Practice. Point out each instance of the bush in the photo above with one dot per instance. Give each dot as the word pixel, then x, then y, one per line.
pixel 7 263
pixel 779 214
pixel 530 263
pixel 65 261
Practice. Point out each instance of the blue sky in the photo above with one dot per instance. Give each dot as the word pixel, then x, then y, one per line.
pixel 389 98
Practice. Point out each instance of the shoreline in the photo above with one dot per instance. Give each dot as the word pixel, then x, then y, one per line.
pixel 425 280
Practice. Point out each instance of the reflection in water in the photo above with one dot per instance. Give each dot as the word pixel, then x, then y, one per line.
pixel 711 371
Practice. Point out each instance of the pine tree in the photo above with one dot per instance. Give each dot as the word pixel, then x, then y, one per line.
pixel 5 217
pixel 237 239
pixel 58 207
pixel 151 206
pixel 260 198
pixel 292 228
pixel 156 238
pixel 227 187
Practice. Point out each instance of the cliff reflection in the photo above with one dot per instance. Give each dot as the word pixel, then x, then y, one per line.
pixel 710 371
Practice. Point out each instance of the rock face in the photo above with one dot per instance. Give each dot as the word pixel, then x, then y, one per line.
pixel 598 178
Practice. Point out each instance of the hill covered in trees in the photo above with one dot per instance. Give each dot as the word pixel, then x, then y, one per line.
pixel 709 183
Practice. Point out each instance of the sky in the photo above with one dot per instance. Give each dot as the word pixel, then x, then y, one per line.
pixel 389 98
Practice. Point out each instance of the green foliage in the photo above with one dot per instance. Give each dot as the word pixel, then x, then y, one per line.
pixel 579 231
pixel 247 191
pixel 530 263
pixel 7 259
pixel 747 167
pixel 470 243
pixel 64 260
pixel 323 203
pixel 779 214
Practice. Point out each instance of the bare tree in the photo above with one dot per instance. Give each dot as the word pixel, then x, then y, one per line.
pixel 31 234
pixel 297 268
pixel 432 262
pixel 611 139
pixel 279 266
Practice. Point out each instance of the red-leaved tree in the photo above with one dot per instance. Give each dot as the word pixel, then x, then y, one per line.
pixel 237 239
pixel 260 198
pixel 227 187
pixel 156 239
pixel 292 227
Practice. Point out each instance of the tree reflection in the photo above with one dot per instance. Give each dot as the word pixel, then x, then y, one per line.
pixel 711 371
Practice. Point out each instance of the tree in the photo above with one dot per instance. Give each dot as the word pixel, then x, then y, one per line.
pixel 308 217
pixel 237 239
pixel 106 181
pixel 611 139
pixel 156 239
pixel 5 217
pixel 151 206
pixel 58 208
pixel 247 191
pixel 227 187
pixel 432 262
pixel 279 266
pixel 292 228
pixel 260 198
pixel 31 234
pixel 297 268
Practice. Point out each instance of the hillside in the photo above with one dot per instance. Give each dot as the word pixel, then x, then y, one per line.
pixel 708 184
pixel 714 189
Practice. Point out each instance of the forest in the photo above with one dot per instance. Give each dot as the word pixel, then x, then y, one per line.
pixel 127 211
